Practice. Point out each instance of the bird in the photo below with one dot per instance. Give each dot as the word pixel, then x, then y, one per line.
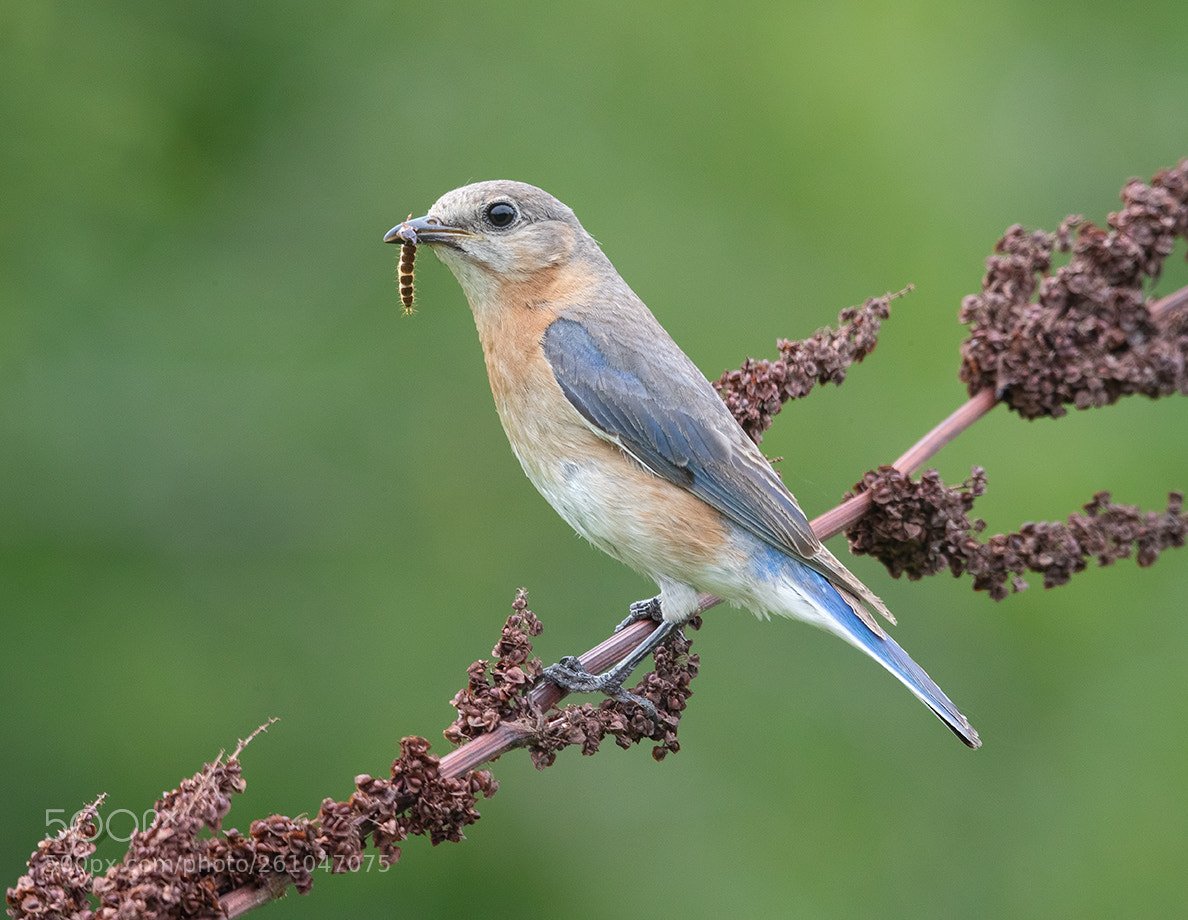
pixel 622 434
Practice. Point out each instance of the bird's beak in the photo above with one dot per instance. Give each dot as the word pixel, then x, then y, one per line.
pixel 417 230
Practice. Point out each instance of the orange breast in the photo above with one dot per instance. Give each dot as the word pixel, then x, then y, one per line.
pixel 647 522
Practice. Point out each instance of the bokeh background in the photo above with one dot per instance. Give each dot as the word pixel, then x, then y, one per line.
pixel 235 483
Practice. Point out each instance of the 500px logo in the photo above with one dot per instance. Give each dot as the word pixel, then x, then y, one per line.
pixel 110 825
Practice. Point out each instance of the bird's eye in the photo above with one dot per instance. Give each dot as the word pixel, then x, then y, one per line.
pixel 501 214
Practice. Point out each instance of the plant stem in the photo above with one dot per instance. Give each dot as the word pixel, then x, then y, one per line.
pixel 618 646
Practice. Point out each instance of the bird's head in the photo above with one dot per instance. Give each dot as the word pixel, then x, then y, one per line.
pixel 494 233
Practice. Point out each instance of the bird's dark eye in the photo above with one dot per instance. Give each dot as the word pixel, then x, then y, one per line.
pixel 501 214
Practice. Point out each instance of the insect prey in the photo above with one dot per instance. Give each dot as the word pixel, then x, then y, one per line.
pixel 408 255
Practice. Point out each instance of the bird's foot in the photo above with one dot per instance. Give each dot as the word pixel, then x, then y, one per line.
pixel 641 610
pixel 570 675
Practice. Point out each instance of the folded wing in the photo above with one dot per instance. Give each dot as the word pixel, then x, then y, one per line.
pixel 650 399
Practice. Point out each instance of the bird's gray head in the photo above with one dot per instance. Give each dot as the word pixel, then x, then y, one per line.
pixel 492 233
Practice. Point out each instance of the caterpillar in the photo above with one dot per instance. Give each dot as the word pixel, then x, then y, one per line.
pixel 408 254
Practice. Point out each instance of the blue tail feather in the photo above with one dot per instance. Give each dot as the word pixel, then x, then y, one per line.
pixel 891 656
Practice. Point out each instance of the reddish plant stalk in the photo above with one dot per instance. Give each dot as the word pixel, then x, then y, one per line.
pixel 618 646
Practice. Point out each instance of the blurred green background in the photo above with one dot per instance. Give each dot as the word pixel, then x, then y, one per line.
pixel 236 483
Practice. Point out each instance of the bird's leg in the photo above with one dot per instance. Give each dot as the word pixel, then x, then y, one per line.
pixel 568 673
pixel 641 610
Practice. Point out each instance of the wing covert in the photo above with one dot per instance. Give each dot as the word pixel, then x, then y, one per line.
pixel 659 408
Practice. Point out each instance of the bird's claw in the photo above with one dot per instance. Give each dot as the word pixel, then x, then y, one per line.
pixel 641 610
pixel 570 675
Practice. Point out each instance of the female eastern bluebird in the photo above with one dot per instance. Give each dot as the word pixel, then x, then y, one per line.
pixel 626 439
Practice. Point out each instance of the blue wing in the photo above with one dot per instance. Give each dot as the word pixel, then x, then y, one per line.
pixel 632 383
pixel 647 396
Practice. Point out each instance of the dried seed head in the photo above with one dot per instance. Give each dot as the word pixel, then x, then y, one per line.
pixel 921 527
pixel 1081 335
pixel 755 392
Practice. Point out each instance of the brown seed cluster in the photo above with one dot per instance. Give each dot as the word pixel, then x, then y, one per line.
pixel 923 527
pixel 182 864
pixel 498 693
pixel 414 800
pixel 1087 338
pixel 917 528
pixel 169 868
pixel 757 391
pixel 57 885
